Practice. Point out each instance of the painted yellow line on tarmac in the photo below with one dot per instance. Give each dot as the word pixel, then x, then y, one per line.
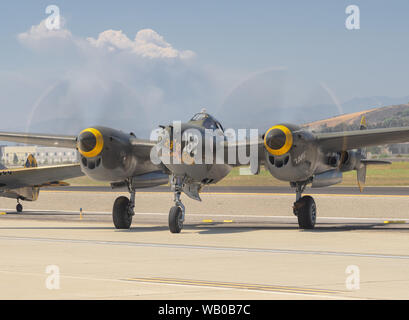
pixel 233 285
pixel 3 213
pixel 207 221
pixel 394 221
pixel 244 193
pixel 308 194
pixel 227 221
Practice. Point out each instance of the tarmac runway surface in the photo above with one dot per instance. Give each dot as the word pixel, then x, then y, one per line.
pixel 236 244
pixel 400 190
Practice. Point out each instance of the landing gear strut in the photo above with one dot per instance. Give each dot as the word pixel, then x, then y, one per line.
pixel 19 207
pixel 304 207
pixel 177 212
pixel 123 209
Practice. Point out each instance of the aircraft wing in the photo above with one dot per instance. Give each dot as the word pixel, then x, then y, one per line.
pixel 37 176
pixel 347 140
pixel 232 149
pixel 40 139
pixel 336 141
pixel 65 141
pixel 142 147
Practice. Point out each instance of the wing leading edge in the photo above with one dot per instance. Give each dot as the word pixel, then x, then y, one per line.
pixel 61 141
pixel 347 140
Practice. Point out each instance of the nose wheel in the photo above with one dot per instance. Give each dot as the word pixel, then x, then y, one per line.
pixel 177 212
pixel 176 215
pixel 304 208
pixel 175 219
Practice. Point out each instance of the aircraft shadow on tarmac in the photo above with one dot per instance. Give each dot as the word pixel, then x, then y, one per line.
pixel 55 228
pixel 318 229
pixel 216 228
pixel 221 228
pixel 343 228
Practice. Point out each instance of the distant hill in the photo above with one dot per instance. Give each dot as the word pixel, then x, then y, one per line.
pixel 363 103
pixel 264 100
pixel 384 117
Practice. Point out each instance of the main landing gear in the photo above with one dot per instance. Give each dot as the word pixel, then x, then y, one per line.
pixel 177 212
pixel 304 207
pixel 123 209
pixel 19 206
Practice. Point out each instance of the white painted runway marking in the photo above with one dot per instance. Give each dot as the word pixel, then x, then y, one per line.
pixel 211 248
pixel 70 212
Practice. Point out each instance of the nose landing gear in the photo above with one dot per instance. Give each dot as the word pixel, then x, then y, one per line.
pixel 177 212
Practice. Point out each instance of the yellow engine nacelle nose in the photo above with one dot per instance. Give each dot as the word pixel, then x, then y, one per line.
pixel 90 142
pixel 278 140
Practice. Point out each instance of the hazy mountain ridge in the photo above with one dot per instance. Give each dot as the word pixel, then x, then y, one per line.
pixel 384 117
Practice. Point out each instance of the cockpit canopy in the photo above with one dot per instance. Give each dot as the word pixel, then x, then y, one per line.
pixel 207 121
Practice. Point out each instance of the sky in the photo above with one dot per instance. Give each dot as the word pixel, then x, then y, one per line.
pixel 137 64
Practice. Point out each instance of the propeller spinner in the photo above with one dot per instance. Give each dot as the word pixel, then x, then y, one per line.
pixel 90 142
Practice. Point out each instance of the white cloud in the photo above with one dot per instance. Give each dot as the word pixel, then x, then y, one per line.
pixel 39 36
pixel 115 81
pixel 147 43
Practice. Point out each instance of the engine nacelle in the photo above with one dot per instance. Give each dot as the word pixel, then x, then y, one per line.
pixel 106 154
pixel 290 153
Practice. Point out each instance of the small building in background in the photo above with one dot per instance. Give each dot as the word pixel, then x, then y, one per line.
pixel 51 155
pixel 17 155
pixel 400 148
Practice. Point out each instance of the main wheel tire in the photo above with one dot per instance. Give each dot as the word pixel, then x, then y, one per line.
pixel 306 212
pixel 19 207
pixel 175 219
pixel 120 213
